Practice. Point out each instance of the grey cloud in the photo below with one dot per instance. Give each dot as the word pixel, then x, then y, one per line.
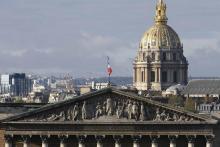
pixel 204 62
pixel 76 35
pixel 87 57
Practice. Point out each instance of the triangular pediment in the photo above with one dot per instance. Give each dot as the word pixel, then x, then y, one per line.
pixel 108 105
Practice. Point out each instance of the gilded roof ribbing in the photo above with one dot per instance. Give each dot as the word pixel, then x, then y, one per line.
pixel 160 35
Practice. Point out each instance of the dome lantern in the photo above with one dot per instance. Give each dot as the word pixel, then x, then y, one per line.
pixel 161 17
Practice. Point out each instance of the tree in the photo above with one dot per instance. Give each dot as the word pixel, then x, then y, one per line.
pixel 190 105
pixel 19 100
pixel 176 100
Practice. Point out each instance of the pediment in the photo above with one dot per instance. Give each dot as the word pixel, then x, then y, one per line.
pixel 108 105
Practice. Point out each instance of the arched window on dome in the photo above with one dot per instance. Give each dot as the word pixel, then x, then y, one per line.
pixel 175 77
pixel 153 56
pixel 164 76
pixel 153 43
pixel 159 12
pixel 152 79
pixel 148 45
pixel 144 56
pixel 174 56
pixel 140 46
pixel 164 56
pixel 142 76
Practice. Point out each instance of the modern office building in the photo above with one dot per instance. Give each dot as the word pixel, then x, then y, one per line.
pixel 17 84
pixel 5 84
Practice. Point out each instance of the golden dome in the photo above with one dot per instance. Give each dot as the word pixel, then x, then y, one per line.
pixel 160 36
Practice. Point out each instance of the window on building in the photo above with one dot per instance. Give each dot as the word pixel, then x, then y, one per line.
pixel 174 56
pixel 135 74
pixel 164 56
pixel 175 77
pixel 142 76
pixel 153 56
pixel 164 76
pixel 153 43
pixel 152 76
pixel 160 12
pixel 144 55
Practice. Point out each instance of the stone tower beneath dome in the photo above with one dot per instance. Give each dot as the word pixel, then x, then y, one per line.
pixel 160 62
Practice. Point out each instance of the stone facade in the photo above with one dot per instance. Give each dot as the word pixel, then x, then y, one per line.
pixel 160 62
pixel 107 118
pixel 2 142
pixel 11 109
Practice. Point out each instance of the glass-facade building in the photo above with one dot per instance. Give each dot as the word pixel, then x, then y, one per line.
pixel 16 84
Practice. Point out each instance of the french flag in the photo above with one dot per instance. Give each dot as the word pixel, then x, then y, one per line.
pixel 109 68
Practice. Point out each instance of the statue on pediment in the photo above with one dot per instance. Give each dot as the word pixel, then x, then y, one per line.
pixel 99 111
pixel 109 107
pixel 158 116
pixel 168 118
pixel 54 117
pixel 73 112
pixel 143 113
pixel 129 110
pixel 175 117
pixel 104 108
pixel 84 111
pixel 120 110
pixel 163 115
pixel 182 118
pixel 135 111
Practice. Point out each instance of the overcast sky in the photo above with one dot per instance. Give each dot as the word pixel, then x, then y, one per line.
pixel 75 36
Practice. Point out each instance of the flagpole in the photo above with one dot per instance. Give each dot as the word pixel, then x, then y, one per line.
pixel 109 82
pixel 109 72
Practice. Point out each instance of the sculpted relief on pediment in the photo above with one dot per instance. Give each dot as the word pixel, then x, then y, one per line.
pixel 109 108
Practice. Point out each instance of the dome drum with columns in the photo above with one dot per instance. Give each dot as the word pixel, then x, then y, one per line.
pixel 160 62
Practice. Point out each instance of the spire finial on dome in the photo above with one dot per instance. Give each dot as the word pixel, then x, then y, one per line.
pixel 161 17
pixel 160 1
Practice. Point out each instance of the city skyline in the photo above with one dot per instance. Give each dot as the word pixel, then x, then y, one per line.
pixel 77 36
